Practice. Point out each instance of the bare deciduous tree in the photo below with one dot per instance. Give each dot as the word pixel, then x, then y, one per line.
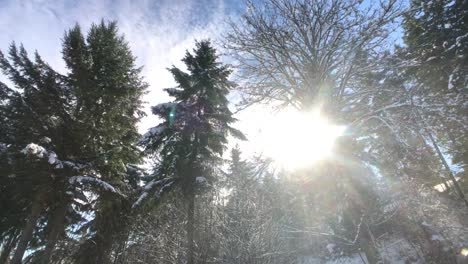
pixel 300 52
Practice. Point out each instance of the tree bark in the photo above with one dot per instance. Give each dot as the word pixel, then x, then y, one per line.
pixel 28 229
pixel 119 254
pixel 190 225
pixel 446 186
pixel 444 162
pixel 366 243
pixel 55 225
pixel 447 168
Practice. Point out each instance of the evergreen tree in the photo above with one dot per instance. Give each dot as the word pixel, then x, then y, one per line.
pixel 67 135
pixel 108 89
pixel 38 113
pixel 437 38
pixel 240 212
pixel 252 217
pixel 193 134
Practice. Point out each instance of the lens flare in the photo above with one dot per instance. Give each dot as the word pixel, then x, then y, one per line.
pixel 296 140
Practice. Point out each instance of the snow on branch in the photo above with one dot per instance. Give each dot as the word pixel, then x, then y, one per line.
pixel 3 147
pixel 154 131
pixel 344 240
pixel 200 180
pixel 134 169
pixel 163 184
pixel 162 108
pixel 40 152
pixel 173 91
pixel 35 150
pixel 96 182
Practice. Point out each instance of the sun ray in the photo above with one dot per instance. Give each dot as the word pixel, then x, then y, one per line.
pixel 297 139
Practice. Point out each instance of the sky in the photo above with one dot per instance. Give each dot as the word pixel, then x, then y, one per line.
pixel 158 31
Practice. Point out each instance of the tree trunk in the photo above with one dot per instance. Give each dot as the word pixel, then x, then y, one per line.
pixel 444 162
pixel 107 230
pixel 8 247
pixel 367 244
pixel 447 168
pixel 119 254
pixel 190 225
pixel 55 227
pixel 28 229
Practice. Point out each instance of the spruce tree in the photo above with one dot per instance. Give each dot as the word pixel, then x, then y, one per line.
pixel 65 135
pixel 437 38
pixel 108 88
pixel 242 216
pixel 37 114
pixel 437 41
pixel 193 134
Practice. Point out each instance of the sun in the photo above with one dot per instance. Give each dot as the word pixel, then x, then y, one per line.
pixel 296 139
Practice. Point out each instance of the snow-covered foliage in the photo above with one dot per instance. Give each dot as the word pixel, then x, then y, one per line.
pixel 74 130
pixel 94 181
pixel 331 248
pixel 154 131
pixel 40 152
pixel 35 150
pixel 200 180
pixel 3 147
pixel 156 187
pixel 163 108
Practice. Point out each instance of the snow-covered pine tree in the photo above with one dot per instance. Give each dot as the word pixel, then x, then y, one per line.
pixel 245 223
pixel 437 43
pixel 37 144
pixel 194 131
pixel 65 134
pixel 108 89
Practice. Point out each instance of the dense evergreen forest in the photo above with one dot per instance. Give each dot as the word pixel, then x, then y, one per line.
pixel 79 183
